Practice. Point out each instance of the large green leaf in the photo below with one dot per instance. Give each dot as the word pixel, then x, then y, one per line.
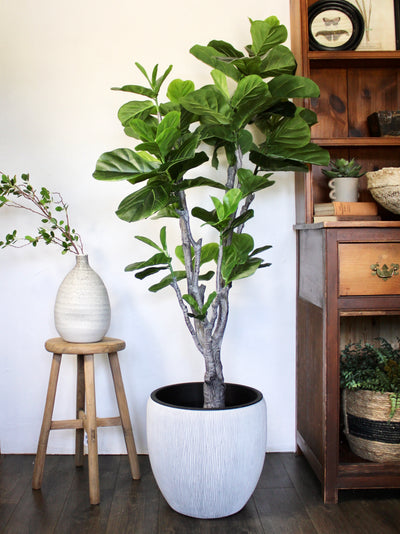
pixel 250 183
pixel 209 217
pixel 143 130
pixel 158 259
pixel 177 89
pixel 276 164
pixel 210 132
pixel 167 281
pixel 168 132
pixel 291 132
pixel 248 99
pixel 225 49
pixel 236 253
pixel 138 89
pixel 311 153
pixel 244 270
pixel 287 86
pixel 124 164
pixel 266 34
pixel 220 81
pixel 143 203
pixel 177 169
pixel 279 60
pixel 209 103
pixel 189 183
pixel 140 109
pixel 211 56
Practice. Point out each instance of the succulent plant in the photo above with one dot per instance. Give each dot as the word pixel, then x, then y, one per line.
pixel 343 168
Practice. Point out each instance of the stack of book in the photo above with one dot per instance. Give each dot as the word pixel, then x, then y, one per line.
pixel 346 211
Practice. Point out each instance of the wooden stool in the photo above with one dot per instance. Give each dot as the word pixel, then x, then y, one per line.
pixel 85 421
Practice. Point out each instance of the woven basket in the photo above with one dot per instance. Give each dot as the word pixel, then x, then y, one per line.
pixel 367 429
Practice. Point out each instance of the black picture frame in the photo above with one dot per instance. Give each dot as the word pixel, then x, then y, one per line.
pixel 397 22
pixel 342 32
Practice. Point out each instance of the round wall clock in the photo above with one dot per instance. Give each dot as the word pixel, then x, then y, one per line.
pixel 334 25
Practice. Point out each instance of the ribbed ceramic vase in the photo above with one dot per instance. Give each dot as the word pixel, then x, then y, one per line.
pixel 82 309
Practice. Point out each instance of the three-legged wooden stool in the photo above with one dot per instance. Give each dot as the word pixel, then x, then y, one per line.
pixel 85 421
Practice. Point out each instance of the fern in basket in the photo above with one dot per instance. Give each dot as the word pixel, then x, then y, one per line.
pixel 374 368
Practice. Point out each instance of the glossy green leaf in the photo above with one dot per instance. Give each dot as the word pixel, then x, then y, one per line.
pixel 158 259
pixel 244 270
pixel 159 81
pixel 278 60
pixel 149 242
pixel 139 109
pixel 199 182
pixel 167 281
pixel 177 89
pixel 209 217
pixel 248 99
pixel 125 164
pixel 287 86
pixel 210 56
pixel 250 183
pixel 220 81
pixel 138 89
pixel 143 130
pixel 150 271
pixel 163 238
pixel 209 103
pixel 145 202
pixel 266 34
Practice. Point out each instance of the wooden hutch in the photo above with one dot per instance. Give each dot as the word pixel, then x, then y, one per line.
pixel 339 300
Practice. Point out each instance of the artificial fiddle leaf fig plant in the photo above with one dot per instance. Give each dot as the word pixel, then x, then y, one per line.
pixel 256 127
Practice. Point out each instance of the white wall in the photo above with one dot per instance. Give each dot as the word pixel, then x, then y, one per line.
pixel 58 61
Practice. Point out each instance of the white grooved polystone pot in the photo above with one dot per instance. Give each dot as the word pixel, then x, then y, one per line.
pixel 82 309
pixel 206 462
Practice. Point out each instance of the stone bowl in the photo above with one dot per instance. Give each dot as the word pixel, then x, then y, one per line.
pixel 384 186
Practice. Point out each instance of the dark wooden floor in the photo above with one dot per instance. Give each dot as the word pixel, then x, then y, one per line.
pixel 287 500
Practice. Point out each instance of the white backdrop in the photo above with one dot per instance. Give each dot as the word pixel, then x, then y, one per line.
pixel 58 61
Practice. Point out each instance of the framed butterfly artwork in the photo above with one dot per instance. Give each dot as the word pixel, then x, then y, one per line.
pixel 334 25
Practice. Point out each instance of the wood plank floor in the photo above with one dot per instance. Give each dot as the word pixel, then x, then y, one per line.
pixel 287 500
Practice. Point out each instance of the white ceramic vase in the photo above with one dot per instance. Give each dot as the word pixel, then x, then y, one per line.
pixel 206 462
pixel 82 309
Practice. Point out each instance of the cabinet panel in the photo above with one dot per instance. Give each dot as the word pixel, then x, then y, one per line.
pixel 369 269
pixel 370 90
pixel 331 107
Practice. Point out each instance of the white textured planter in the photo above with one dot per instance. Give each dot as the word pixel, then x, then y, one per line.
pixel 82 309
pixel 206 462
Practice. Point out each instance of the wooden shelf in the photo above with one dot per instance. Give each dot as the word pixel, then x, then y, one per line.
pixel 371 59
pixel 357 141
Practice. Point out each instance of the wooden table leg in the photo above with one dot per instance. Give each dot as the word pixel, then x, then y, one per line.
pixel 91 430
pixel 80 406
pixel 124 414
pixel 46 423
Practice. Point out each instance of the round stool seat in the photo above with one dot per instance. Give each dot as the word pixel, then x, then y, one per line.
pixel 57 345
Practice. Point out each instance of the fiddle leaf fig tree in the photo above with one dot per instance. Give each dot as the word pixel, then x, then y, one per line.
pixel 254 129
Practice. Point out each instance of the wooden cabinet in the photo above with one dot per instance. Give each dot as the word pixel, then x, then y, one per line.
pixel 348 281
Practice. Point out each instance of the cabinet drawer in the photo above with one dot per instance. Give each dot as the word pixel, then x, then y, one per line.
pixel 369 268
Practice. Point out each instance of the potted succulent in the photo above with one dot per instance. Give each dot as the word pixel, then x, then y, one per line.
pixel 247 117
pixel 82 307
pixel 370 379
pixel 343 179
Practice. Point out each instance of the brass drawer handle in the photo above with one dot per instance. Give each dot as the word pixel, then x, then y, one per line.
pixel 385 272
